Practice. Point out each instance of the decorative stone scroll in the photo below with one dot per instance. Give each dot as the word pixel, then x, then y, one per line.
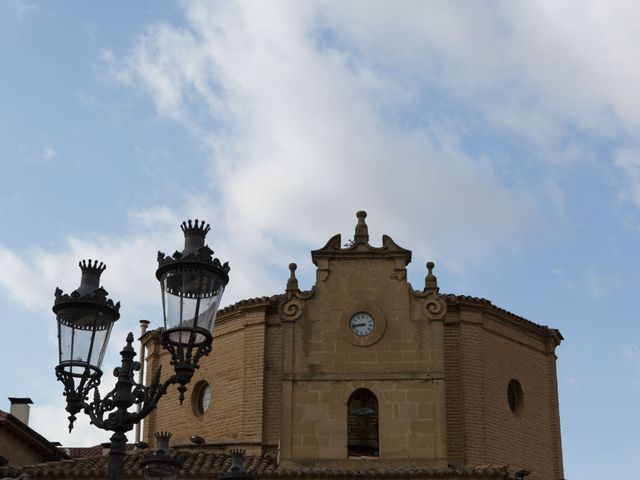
pixel 292 306
pixel 435 307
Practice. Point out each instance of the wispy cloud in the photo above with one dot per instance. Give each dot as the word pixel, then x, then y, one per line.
pixel 48 152
pixel 298 121
pixel 628 160
pixel 600 283
pixel 107 56
pixel 22 9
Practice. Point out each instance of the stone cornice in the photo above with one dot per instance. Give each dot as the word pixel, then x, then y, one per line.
pixel 334 250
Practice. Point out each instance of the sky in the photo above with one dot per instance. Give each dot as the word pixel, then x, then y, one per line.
pixel 498 139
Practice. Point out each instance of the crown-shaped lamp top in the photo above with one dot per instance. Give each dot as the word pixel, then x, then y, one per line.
pixel 162 440
pixel 237 460
pixel 194 234
pixel 195 252
pixel 91 271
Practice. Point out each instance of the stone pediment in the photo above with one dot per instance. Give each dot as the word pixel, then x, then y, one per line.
pixel 359 247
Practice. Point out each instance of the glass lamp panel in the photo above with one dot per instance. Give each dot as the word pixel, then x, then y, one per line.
pixel 190 300
pixel 100 345
pixel 65 341
pixel 210 304
pixel 83 334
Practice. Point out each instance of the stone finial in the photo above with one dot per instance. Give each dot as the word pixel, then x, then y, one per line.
pixel 431 281
pixel 362 231
pixel 292 283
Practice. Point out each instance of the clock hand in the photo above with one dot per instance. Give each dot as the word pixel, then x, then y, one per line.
pixel 359 325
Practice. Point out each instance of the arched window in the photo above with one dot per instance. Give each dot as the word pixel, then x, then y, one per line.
pixel 201 397
pixel 362 424
pixel 515 397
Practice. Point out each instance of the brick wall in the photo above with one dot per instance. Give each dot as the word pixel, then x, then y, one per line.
pixel 485 351
pixel 272 384
pixel 235 371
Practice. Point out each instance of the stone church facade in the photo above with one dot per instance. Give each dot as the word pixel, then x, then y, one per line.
pixel 363 372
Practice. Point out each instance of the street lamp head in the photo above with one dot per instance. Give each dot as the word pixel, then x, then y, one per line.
pixel 192 283
pixel 161 464
pixel 237 470
pixel 85 318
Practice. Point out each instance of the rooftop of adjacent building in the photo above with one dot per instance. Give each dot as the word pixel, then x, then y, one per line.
pixel 15 423
pixel 200 463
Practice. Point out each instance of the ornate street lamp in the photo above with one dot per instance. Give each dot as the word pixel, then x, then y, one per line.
pixel 161 465
pixel 192 283
pixel 85 319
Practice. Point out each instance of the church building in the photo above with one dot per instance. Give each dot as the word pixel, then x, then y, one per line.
pixel 365 373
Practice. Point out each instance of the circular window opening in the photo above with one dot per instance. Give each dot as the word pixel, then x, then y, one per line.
pixel 201 398
pixel 514 396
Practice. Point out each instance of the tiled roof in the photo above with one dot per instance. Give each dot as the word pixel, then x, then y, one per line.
pixel 250 302
pixel 96 450
pixel 453 299
pixel 195 463
pixel 211 465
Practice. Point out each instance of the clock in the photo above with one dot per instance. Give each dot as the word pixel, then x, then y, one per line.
pixel 362 324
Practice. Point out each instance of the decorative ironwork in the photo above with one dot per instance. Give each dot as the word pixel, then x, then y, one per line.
pixel 85 318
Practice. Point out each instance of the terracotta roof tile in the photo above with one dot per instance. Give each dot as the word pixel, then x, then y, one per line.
pixel 211 465
pixel 453 299
pixel 250 302
pixel 94 451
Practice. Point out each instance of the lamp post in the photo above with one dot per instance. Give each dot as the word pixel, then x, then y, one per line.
pixel 192 283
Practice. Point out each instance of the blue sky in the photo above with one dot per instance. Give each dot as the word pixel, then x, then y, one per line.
pixel 498 139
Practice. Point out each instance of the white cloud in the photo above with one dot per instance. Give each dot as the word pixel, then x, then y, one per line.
pixel 302 135
pixel 48 152
pixel 628 160
pixel 107 55
pixel 50 420
pixel 309 113
pixel 31 276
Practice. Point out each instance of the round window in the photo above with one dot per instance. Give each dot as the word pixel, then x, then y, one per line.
pixel 201 398
pixel 514 396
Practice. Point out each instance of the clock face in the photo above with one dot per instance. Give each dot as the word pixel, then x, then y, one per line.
pixel 362 324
